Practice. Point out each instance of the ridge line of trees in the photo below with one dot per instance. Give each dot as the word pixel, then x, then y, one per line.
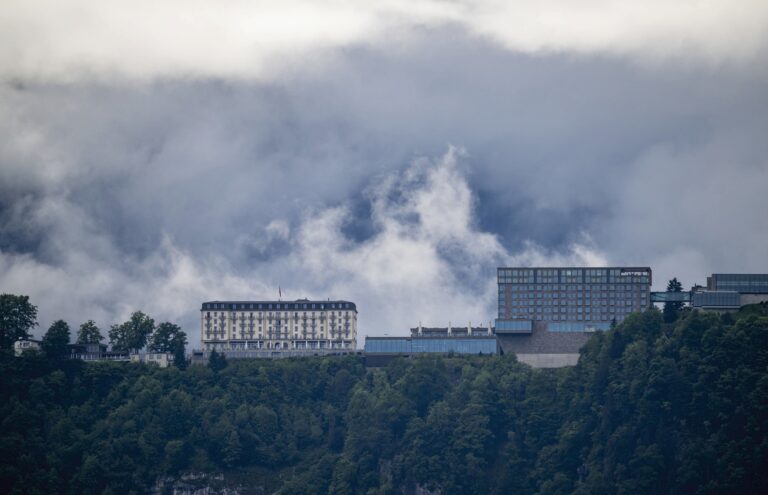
pixel 651 408
pixel 18 316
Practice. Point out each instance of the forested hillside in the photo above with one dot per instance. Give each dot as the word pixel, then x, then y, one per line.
pixel 651 408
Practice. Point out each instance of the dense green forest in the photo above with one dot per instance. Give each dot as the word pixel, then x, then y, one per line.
pixel 651 408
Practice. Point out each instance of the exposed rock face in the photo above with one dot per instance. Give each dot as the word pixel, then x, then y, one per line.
pixel 423 490
pixel 199 484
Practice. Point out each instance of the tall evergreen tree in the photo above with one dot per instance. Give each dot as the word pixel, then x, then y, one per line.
pixel 17 317
pixel 217 361
pixel 56 339
pixel 672 308
pixel 89 333
pixel 180 358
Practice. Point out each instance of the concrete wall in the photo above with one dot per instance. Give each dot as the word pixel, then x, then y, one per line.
pixel 548 360
pixel 753 299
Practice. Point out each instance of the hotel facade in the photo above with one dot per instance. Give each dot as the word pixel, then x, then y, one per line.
pixel 547 314
pixel 278 325
pixel 570 299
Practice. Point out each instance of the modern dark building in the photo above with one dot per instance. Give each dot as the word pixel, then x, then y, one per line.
pixel 429 340
pixel 743 283
pixel 730 291
pixel 724 292
pixel 546 314
pixel 570 299
pixel 88 352
pixel 96 352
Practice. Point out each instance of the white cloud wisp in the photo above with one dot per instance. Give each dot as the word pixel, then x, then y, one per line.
pixel 426 262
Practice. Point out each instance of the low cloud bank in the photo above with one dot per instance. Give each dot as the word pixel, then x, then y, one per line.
pixel 426 262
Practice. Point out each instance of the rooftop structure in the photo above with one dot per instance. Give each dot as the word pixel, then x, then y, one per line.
pixel 451 331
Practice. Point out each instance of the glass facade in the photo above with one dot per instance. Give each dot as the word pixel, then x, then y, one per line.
pixel 716 299
pixel 514 326
pixel 413 345
pixel 662 297
pixel 746 283
pixel 585 298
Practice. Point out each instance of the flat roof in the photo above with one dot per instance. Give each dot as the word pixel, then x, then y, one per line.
pixel 631 268
pixel 297 304
pixel 429 337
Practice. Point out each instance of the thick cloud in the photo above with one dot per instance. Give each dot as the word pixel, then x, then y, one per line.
pixel 396 170
pixel 80 39
pixel 425 262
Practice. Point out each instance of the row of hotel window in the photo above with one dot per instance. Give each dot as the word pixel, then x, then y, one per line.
pixel 573 297
pixel 279 345
pixel 628 306
pixel 283 339
pixel 586 280
pixel 743 285
pixel 577 288
pixel 416 345
pixel 318 338
pixel 574 301
pixel 231 306
pixel 276 335
pixel 564 309
pixel 285 329
pixel 568 272
pixel 585 318
pixel 278 314
pixel 604 316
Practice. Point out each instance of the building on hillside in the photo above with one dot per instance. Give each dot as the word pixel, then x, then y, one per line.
pixel 161 359
pixel 720 301
pixel 24 345
pixel 743 283
pixel 430 340
pixel 545 315
pixel 87 352
pixel 752 288
pixel 723 293
pixel 96 352
pixel 270 328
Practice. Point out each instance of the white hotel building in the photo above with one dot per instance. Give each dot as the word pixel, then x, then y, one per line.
pixel 278 325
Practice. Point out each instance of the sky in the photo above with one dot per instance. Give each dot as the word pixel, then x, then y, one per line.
pixel 155 155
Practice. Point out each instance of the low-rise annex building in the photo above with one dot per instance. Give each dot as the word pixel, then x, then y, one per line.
pixel 161 359
pixel 278 325
pixel 724 292
pixel 23 345
pixel 469 340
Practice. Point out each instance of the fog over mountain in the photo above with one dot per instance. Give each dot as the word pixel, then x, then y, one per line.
pixel 157 157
